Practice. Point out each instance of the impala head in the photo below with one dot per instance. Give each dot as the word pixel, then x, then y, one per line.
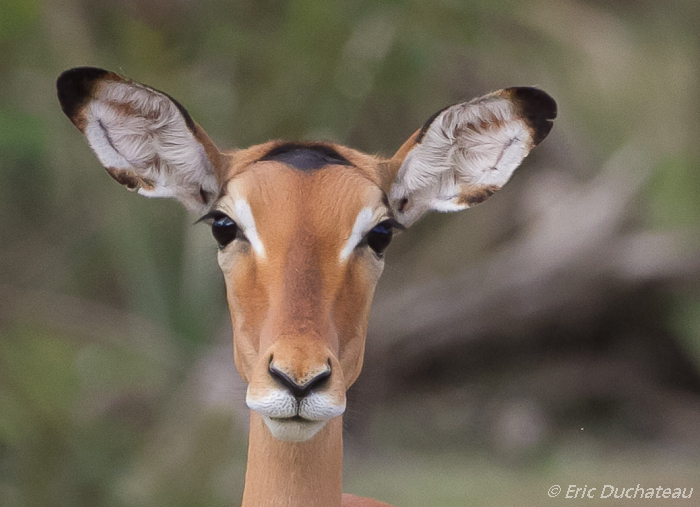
pixel 302 227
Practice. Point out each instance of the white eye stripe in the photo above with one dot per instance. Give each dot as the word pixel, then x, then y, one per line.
pixel 362 224
pixel 245 220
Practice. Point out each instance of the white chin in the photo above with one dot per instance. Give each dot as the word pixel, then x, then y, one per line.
pixel 289 430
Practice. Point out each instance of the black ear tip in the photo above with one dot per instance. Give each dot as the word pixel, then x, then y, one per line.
pixel 538 108
pixel 536 99
pixel 74 86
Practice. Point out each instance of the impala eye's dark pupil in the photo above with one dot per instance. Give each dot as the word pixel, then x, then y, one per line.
pixel 379 238
pixel 224 230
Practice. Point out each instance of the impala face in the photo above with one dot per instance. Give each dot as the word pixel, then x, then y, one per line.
pixel 302 227
pixel 302 231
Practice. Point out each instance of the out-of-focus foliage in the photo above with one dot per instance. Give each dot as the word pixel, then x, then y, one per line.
pixel 116 378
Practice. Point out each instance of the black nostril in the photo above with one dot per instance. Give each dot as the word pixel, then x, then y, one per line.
pixel 299 390
pixel 318 381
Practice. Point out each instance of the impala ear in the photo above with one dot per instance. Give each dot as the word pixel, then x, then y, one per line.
pixel 144 138
pixel 466 152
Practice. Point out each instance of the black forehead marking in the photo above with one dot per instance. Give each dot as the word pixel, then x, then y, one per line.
pixel 305 157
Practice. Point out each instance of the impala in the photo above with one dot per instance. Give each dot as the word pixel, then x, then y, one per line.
pixel 302 229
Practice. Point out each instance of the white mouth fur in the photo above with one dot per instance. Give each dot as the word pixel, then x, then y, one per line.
pixel 293 429
pixel 293 420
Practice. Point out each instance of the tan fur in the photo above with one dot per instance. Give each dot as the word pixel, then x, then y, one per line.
pixel 300 288
pixel 300 306
pixel 291 474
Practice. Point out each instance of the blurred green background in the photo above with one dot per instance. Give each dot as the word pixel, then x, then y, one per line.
pixel 550 336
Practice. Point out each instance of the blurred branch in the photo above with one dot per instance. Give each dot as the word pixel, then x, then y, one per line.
pixel 574 252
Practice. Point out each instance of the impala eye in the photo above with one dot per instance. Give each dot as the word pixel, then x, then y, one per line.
pixel 223 228
pixel 380 236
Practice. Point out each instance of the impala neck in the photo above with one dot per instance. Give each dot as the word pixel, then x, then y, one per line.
pixel 288 474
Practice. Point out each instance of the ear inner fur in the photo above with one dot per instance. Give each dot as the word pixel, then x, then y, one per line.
pixel 143 137
pixel 468 151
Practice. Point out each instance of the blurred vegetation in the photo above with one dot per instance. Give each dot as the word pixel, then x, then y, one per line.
pixel 576 357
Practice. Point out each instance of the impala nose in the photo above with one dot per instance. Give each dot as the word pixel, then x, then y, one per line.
pixel 300 387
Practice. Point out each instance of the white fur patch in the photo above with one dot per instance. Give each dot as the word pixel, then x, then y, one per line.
pixel 132 127
pixel 320 406
pixel 244 218
pixel 361 226
pixel 468 146
pixel 275 403
pixel 293 430
pixel 280 403
pixel 278 406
